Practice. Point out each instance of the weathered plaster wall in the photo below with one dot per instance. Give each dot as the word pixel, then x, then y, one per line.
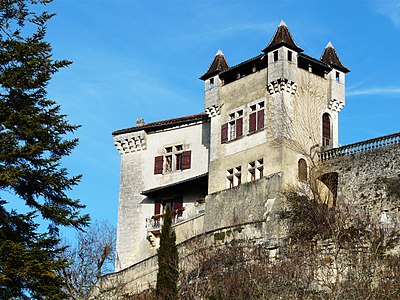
pixel 251 202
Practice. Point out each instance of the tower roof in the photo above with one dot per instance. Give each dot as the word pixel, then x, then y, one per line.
pixel 330 57
pixel 218 65
pixel 282 37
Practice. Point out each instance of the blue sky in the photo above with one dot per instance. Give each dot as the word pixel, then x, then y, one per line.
pixel 142 59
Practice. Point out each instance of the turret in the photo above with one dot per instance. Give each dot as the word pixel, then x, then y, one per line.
pixel 336 77
pixel 212 83
pixel 282 54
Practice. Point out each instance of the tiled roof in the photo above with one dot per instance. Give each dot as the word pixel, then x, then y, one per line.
pixel 282 37
pixel 218 64
pixel 170 186
pixel 330 57
pixel 163 124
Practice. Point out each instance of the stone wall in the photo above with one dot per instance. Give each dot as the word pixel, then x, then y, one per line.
pixel 250 202
pixel 369 180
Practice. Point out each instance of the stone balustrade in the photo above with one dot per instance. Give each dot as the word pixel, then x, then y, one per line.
pixel 364 146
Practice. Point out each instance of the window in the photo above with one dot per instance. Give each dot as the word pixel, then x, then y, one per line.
pixel 234 128
pixel 276 55
pixel 234 177
pixel 337 76
pixel 256 117
pixel 302 169
pixel 211 83
pixel 174 159
pixel 289 55
pixel 229 179
pixel 326 130
pixel 256 170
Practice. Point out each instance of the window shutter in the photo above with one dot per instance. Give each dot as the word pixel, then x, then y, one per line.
pixel 158 164
pixel 239 127
pixel 178 203
pixel 260 119
pixel 252 122
pixel 186 159
pixel 157 208
pixel 224 133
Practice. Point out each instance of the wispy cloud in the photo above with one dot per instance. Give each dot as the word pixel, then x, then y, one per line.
pixel 389 9
pixel 374 91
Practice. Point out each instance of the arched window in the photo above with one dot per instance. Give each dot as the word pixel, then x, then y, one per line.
pixel 302 169
pixel 326 130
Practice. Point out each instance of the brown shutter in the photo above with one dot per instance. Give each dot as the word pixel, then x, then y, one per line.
pixel 252 122
pixel 157 208
pixel 260 119
pixel 239 127
pixel 158 164
pixel 224 133
pixel 178 203
pixel 186 159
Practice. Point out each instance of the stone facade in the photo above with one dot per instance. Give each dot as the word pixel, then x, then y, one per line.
pixel 226 168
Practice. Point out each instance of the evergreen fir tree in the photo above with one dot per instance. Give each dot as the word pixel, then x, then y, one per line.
pixel 168 261
pixel 32 144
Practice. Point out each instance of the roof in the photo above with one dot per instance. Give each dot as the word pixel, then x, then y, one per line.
pixel 282 37
pixel 330 57
pixel 315 61
pixel 179 187
pixel 218 64
pixel 164 124
pixel 251 60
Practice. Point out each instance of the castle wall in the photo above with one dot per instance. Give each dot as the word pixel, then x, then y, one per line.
pixel 369 180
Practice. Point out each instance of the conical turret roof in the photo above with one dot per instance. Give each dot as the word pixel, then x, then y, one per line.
pixel 282 37
pixel 218 65
pixel 330 57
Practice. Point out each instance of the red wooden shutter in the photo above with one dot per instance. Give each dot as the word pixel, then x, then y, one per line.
pixel 252 122
pixel 239 127
pixel 158 164
pixel 157 208
pixel 224 133
pixel 260 119
pixel 186 159
pixel 178 203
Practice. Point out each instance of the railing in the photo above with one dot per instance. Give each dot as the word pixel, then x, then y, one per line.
pixel 156 221
pixel 364 146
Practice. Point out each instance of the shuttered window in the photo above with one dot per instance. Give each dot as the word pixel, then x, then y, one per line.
pixel 252 122
pixel 239 127
pixel 157 208
pixel 256 117
pixel 224 133
pixel 158 164
pixel 186 159
pixel 326 130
